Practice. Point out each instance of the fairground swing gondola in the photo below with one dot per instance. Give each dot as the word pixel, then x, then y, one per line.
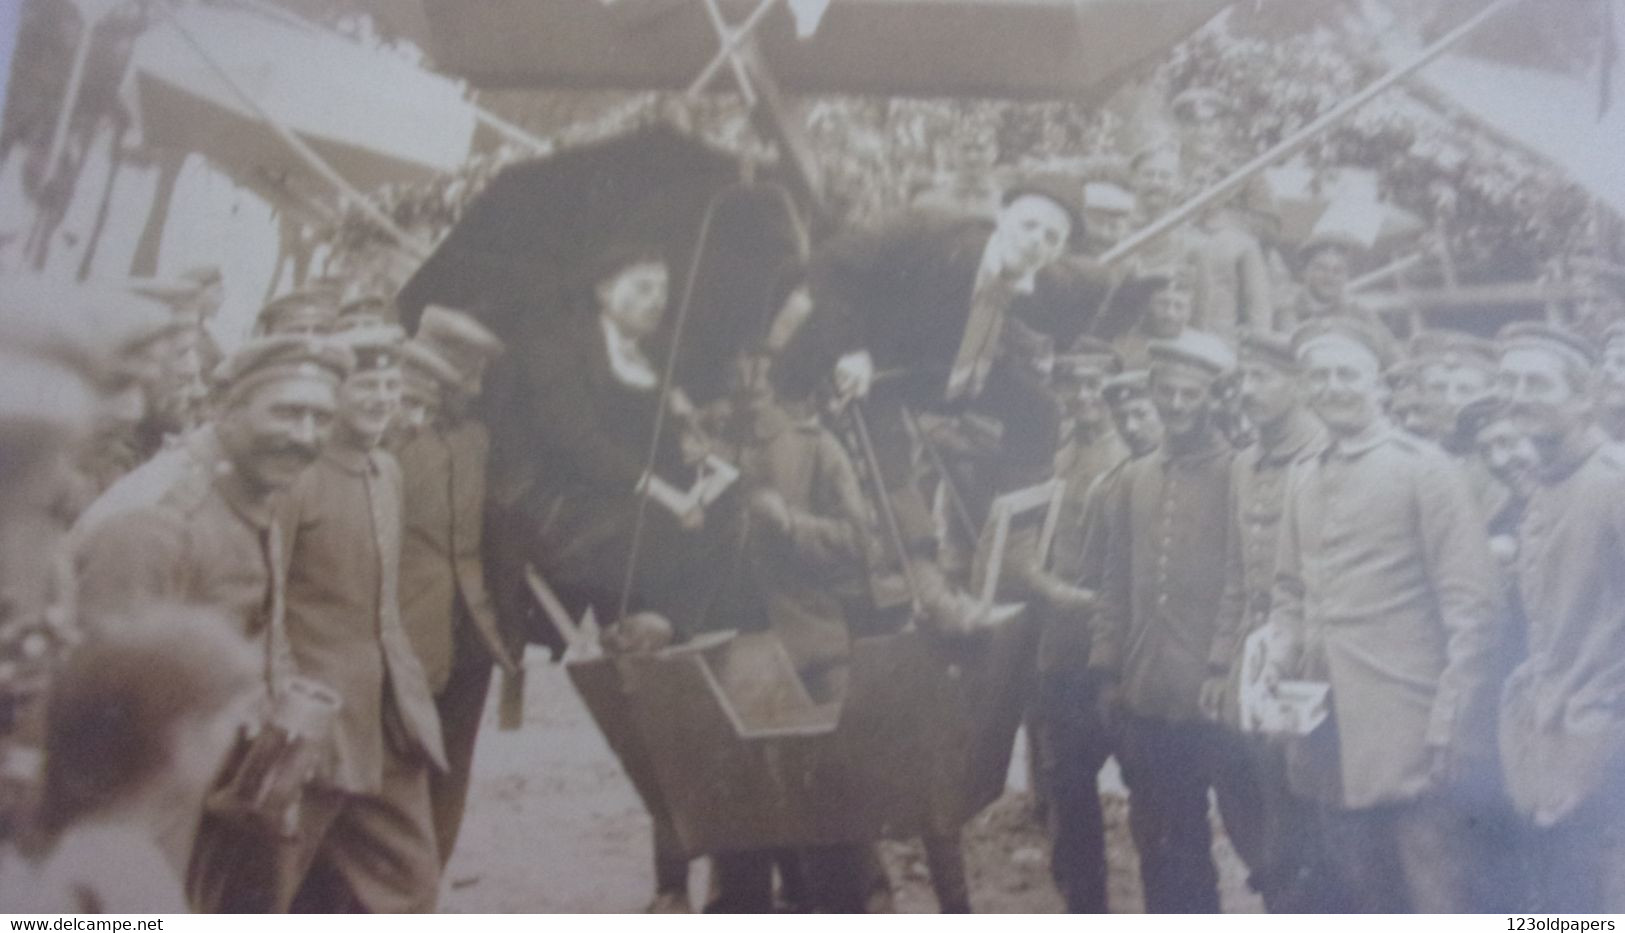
pixel 716 732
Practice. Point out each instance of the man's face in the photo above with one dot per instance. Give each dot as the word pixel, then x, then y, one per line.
pixel 33 478
pixel 1542 403
pixel 1326 275
pixel 1183 396
pixel 277 430
pixel 1168 312
pixel 1081 399
pixel 1138 424
pixel 1106 228
pixel 1156 179
pixel 369 400
pixel 635 298
pixel 1344 382
pixel 1509 455
pixel 1268 392
pixel 1032 232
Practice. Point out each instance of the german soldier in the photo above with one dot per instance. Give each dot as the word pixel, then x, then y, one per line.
pixel 445 608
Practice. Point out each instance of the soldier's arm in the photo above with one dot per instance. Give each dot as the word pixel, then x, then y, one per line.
pixel 130 559
pixel 1115 584
pixel 1455 547
pixel 827 535
pixel 1230 621
pixel 1286 621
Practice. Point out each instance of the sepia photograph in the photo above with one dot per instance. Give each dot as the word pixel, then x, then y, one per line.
pixel 812 456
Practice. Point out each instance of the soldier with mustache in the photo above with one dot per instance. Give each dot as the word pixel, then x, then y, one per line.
pixel 1562 726
pixel 1384 588
pixel 197 525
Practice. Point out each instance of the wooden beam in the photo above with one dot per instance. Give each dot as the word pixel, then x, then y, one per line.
pixel 1469 296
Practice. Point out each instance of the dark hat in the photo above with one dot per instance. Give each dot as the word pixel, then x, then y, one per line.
pixel 1270 346
pixel 312 308
pixel 1194 348
pixel 375 346
pixel 612 259
pixel 267 359
pixel 1452 348
pixel 1358 330
pixel 424 372
pixel 1065 192
pixel 460 341
pixel 1541 336
pixel 1126 387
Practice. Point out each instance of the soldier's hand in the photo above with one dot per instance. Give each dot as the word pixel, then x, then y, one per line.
pixel 1212 698
pixel 854 374
pixel 692 518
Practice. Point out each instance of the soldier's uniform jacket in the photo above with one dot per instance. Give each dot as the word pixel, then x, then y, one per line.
pixel 1385 584
pixel 799 575
pixel 343 521
pixel 1258 486
pixel 179 528
pixel 1064 643
pixel 1563 713
pixel 1166 528
pixel 443 597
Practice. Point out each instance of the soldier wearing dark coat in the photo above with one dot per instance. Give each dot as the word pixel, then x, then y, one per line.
pixel 1278 826
pixel 1160 593
pixel 445 608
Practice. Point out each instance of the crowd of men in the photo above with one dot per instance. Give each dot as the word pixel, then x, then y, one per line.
pixel 1263 486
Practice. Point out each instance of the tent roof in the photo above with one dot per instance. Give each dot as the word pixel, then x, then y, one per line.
pixel 1064 49
pixel 1549 113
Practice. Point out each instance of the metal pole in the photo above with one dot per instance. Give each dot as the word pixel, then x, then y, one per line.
pixel 667 379
pixel 1235 180
pixel 70 95
pixel 417 248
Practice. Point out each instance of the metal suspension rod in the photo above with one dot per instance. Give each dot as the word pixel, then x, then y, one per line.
pixel 1235 180
pixel 666 379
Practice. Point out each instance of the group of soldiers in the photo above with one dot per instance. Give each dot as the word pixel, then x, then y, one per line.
pixel 324 512
pixel 1261 487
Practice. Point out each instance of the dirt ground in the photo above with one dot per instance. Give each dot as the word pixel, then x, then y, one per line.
pixel 554 826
